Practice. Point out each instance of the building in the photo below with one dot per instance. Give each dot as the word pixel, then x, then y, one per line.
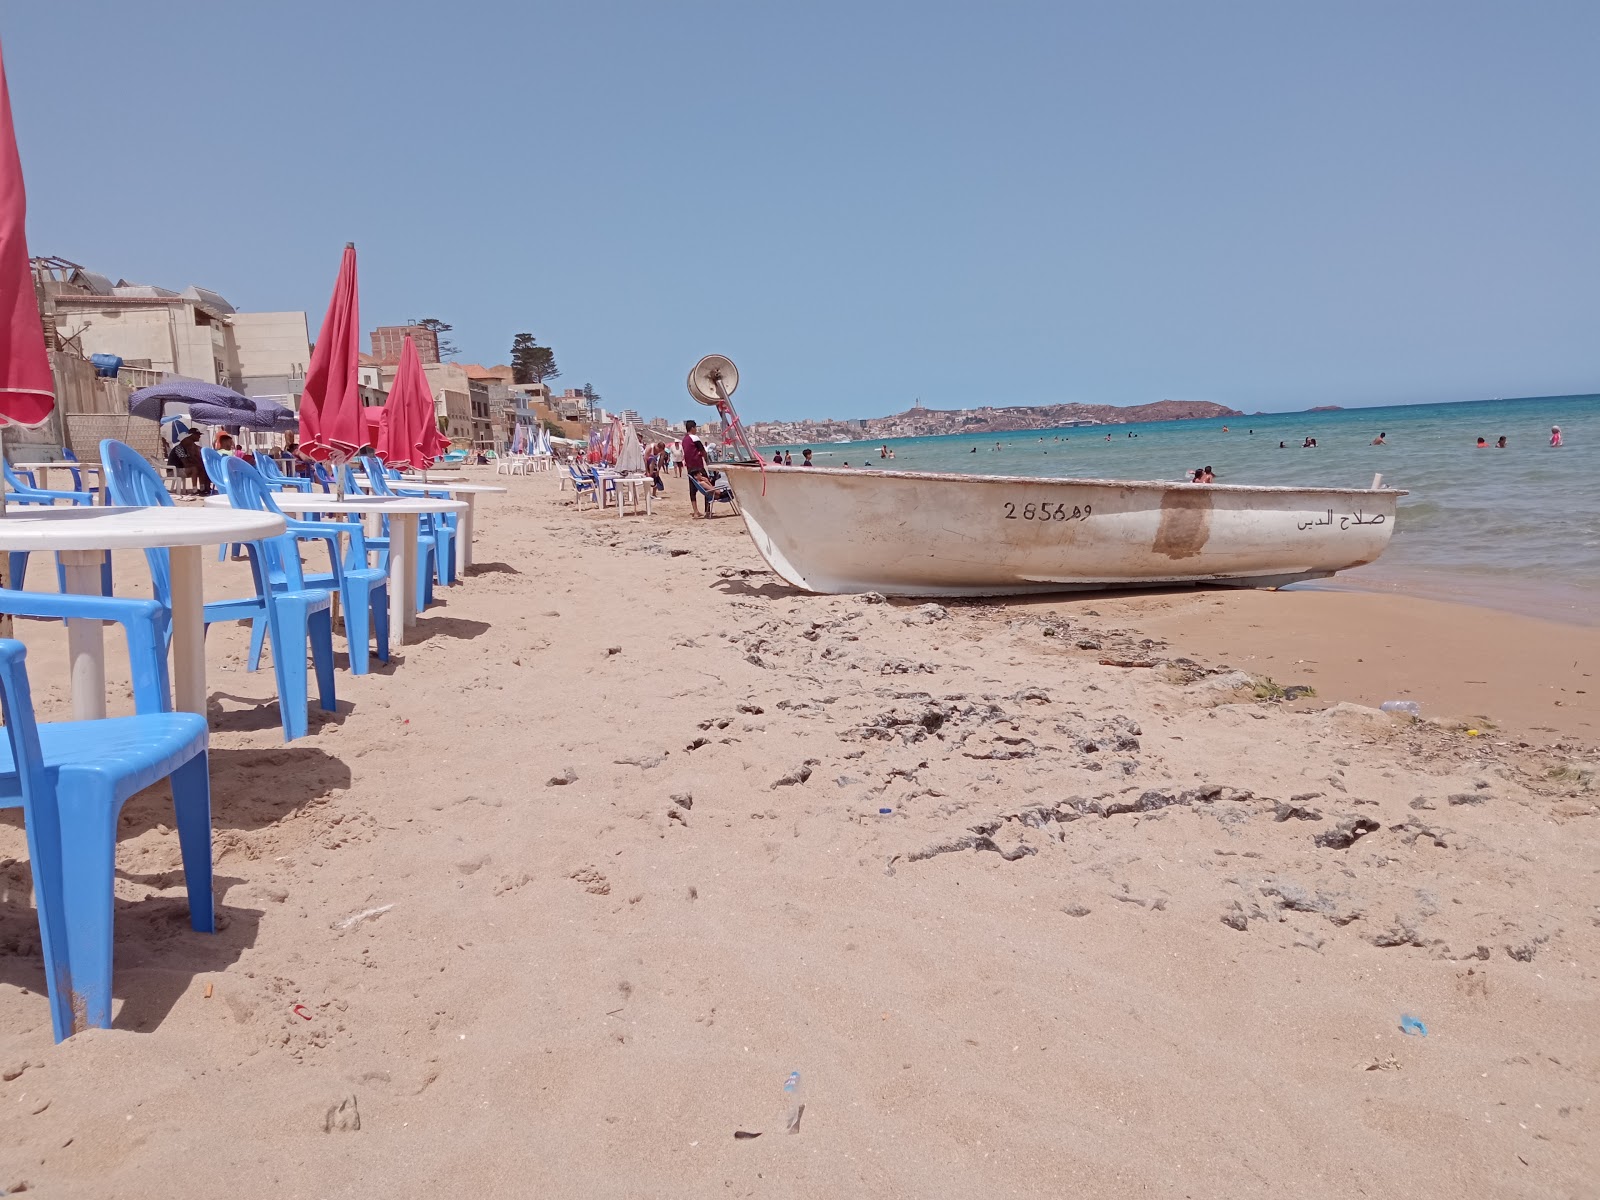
pixel 452 399
pixel 179 333
pixel 273 350
pixel 389 340
pixel 157 332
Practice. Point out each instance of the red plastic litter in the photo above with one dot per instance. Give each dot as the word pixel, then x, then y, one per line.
pixel 299 1010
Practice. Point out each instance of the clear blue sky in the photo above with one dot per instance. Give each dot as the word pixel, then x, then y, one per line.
pixel 1271 205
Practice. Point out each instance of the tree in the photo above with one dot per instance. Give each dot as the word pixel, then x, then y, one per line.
pixel 531 362
pixel 447 348
pixel 591 399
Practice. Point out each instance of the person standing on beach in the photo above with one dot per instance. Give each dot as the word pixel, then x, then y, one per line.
pixel 805 457
pixel 694 461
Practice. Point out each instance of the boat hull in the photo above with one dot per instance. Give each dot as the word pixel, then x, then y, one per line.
pixel 907 533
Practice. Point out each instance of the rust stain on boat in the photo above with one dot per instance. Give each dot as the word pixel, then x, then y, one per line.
pixel 1185 524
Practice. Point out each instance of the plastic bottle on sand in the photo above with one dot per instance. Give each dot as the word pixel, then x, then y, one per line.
pixel 794 1103
pixel 1409 708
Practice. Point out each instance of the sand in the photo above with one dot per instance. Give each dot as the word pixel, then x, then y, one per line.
pixel 569 889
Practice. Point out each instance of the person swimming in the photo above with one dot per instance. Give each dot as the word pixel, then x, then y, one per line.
pixel 1483 443
pixel 1380 440
pixel 1500 444
pixel 1555 435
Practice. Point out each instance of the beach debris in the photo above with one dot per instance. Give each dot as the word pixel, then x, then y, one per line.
pixel 794 1102
pixel 610 650
pixel 904 666
pixel 366 914
pixel 593 881
pixel 1127 662
pixel 1526 951
pixel 1414 829
pixel 343 1117
pixel 567 775
pixel 1404 708
pixel 972 841
pixel 642 761
pixel 301 1011
pixel 742 1134
pixel 1295 812
pixel 1401 933
pixel 799 775
pixel 209 989
pixel 886 812
pixel 927 614
pixel 1346 833
pixel 1412 1027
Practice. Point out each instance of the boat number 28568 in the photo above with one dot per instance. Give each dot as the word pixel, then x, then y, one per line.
pixel 1047 512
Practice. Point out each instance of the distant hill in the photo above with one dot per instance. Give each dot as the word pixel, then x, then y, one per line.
pixel 1327 408
pixel 928 421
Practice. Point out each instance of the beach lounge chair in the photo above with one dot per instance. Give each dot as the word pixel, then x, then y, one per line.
pixel 719 492
pixel 71 778
pixel 292 617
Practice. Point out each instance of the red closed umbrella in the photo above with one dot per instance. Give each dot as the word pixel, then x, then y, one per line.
pixel 331 425
pixel 27 392
pixel 400 435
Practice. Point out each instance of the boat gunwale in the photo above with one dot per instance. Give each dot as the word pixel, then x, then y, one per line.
pixel 955 477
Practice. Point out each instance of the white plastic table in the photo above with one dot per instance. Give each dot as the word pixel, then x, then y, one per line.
pixel 402 513
pixel 469 493
pixel 43 469
pixel 82 535
pixel 633 483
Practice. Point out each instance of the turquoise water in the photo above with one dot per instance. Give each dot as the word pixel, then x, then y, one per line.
pixel 1516 528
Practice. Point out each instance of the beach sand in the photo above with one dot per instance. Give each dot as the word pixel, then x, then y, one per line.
pixel 569 889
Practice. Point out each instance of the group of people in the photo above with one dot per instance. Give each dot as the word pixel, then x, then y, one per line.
pixel 185 457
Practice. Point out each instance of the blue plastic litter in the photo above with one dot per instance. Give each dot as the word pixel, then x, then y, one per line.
pixel 1412 1027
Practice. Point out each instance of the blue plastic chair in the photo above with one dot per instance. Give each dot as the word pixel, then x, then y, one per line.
pixel 71 779
pixel 23 492
pixel 276 479
pixel 144 622
pixel 427 549
pixel 441 527
pixel 363 589
pixel 291 616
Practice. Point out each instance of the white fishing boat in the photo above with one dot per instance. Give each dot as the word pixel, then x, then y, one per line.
pixel 914 533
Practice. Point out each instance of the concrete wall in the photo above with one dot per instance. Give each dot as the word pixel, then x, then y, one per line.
pixel 271 343
pixel 144 333
pixel 173 335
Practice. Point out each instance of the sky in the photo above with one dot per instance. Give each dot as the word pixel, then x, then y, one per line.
pixel 1269 205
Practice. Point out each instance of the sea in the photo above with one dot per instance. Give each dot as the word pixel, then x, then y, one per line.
pixel 1516 528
